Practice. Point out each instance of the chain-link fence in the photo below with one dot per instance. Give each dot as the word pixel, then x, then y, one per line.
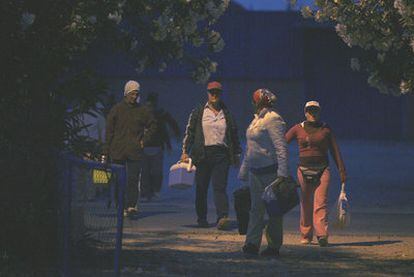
pixel 92 217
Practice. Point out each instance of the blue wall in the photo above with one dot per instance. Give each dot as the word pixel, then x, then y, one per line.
pixel 283 51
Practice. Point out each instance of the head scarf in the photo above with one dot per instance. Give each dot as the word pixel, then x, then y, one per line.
pixel 264 97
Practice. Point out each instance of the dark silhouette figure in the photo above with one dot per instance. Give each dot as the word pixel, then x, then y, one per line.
pixel 152 170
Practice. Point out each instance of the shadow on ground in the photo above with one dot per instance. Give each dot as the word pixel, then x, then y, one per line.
pixel 232 226
pixel 366 243
pixel 216 254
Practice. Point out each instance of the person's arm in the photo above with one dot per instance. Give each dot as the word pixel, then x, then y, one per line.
pixel 276 129
pixel 244 168
pixel 109 130
pixel 291 134
pixel 150 127
pixel 172 123
pixel 336 154
pixel 189 133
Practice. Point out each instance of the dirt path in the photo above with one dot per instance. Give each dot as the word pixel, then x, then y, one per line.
pixel 163 241
pixel 214 253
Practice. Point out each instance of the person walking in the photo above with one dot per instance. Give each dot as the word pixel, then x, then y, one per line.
pixel 129 126
pixel 212 142
pixel 152 169
pixel 315 138
pixel 266 159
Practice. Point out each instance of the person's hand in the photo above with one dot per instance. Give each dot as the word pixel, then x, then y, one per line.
pixel 243 176
pixel 184 158
pixel 104 159
pixel 87 156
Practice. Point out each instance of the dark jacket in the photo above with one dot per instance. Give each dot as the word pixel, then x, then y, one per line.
pixel 161 136
pixel 193 143
pixel 126 126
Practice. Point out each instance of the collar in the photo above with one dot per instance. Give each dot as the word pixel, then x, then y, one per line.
pixel 207 105
pixel 262 113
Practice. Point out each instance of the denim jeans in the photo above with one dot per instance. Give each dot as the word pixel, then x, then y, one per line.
pixel 274 228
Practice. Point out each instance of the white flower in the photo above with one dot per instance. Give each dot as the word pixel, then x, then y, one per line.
pixel 404 87
pixel 400 6
pixel 27 19
pixel 306 12
pixel 342 32
pixel 115 16
pixel 73 26
pixel 219 45
pixel 213 67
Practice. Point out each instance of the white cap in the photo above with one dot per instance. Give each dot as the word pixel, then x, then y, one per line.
pixel 312 104
pixel 131 86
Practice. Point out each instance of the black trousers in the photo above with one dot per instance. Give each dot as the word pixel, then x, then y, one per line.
pixel 133 171
pixel 214 168
pixel 152 173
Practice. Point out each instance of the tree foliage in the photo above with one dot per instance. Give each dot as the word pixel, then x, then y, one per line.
pixel 46 86
pixel 384 29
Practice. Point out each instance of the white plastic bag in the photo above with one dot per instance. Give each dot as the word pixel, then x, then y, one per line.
pixel 343 215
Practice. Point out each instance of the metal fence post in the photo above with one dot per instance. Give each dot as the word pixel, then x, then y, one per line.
pixel 121 173
pixel 67 192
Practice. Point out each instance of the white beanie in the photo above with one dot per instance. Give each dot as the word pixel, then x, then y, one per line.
pixel 312 104
pixel 131 86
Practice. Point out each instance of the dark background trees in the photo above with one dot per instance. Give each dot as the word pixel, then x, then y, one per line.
pixel 46 86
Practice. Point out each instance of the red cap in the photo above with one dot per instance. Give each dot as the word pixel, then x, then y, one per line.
pixel 214 85
pixel 257 95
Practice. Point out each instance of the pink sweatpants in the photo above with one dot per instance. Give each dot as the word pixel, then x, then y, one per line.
pixel 314 206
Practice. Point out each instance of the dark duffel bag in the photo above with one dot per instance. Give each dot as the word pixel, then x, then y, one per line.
pixel 242 205
pixel 286 193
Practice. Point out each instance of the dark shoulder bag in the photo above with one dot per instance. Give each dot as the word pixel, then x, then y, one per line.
pixel 312 174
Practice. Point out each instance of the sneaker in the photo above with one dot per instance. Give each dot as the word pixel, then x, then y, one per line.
pixel 223 223
pixel 323 241
pixel 132 211
pixel 250 249
pixel 270 252
pixel 202 223
pixel 305 241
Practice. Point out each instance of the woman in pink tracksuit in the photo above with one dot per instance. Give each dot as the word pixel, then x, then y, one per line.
pixel 315 139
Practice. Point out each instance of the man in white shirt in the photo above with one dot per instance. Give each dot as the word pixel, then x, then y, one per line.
pixel 211 140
